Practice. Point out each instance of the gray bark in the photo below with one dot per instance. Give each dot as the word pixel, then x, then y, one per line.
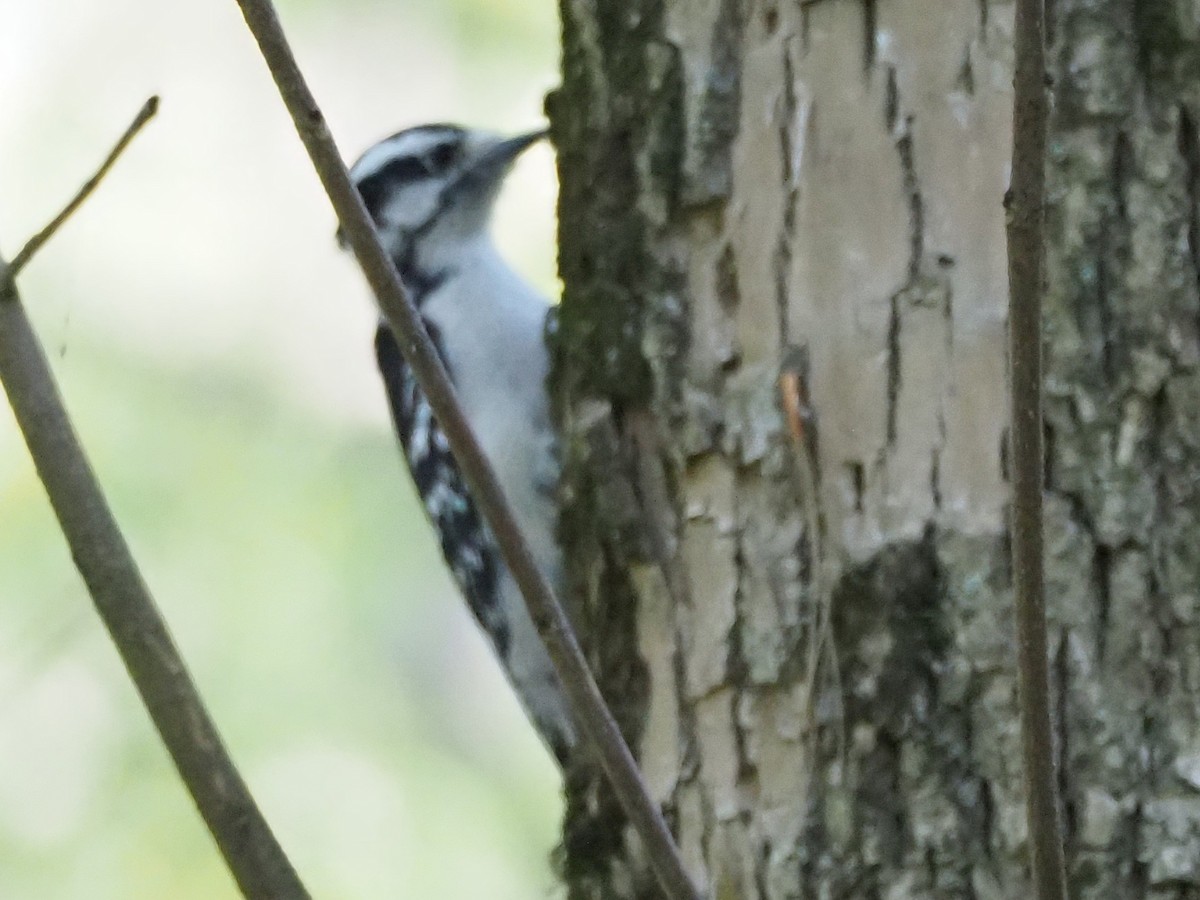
pixel 748 183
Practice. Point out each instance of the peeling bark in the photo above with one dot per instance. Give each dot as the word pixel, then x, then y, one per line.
pixel 746 180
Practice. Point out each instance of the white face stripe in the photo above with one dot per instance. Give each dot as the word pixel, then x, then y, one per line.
pixel 413 142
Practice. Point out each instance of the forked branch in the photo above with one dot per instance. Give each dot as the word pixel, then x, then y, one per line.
pixel 121 597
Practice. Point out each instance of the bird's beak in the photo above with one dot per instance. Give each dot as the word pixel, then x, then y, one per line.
pixel 496 158
pixel 513 147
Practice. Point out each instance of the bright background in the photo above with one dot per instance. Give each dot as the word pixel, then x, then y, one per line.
pixel 214 349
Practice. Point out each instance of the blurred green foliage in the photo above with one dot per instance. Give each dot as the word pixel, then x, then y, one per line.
pixel 215 353
pixel 295 568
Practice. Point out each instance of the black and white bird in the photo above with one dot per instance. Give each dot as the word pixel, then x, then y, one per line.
pixel 430 191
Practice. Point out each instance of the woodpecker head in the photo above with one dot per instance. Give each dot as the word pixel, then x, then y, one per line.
pixel 434 183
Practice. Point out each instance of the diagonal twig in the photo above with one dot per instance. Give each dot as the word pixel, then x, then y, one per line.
pixel 125 605
pixel 552 624
pixel 822 648
pixel 1026 259
pixel 145 114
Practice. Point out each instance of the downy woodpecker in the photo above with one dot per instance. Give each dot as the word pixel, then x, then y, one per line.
pixel 430 192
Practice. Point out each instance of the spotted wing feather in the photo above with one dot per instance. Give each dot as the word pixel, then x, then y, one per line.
pixel 467 543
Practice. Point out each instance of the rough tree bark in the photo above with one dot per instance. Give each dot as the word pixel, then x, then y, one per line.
pixel 749 185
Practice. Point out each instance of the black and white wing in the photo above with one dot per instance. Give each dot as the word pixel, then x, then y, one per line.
pixel 467 543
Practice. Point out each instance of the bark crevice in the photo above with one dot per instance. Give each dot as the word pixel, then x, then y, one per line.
pixel 847 213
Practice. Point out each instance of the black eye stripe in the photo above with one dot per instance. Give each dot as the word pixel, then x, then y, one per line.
pixel 443 156
pixel 414 168
pixel 407 170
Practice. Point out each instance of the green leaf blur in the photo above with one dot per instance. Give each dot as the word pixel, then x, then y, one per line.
pixel 214 349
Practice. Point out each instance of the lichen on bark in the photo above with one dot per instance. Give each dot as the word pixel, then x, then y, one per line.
pixel 745 180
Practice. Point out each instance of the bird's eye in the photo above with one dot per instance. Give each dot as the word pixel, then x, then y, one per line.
pixel 443 156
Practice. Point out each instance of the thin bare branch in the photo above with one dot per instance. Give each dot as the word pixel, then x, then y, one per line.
pixel 145 114
pixel 1026 259
pixel 552 624
pixel 126 608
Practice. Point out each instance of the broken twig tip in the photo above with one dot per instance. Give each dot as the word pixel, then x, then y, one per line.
pixel 145 114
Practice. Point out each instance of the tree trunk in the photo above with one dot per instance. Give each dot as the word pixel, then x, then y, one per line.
pixel 752 189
